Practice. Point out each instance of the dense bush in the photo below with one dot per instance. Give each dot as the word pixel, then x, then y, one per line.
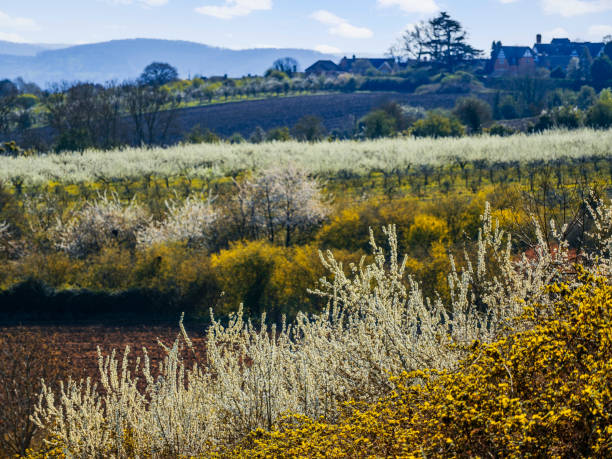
pixel 500 130
pixel 542 392
pixel 436 125
pixel 599 115
pixel 378 124
pixel 473 112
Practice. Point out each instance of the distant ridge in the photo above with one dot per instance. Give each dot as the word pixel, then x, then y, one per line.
pixel 26 49
pixel 125 59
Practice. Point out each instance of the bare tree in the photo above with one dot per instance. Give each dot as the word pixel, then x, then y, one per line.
pixel 152 109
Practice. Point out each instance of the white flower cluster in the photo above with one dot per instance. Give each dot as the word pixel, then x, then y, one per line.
pixel 5 238
pixel 99 224
pixel 280 199
pixel 189 221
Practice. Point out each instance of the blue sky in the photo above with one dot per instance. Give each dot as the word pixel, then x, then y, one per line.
pixel 362 26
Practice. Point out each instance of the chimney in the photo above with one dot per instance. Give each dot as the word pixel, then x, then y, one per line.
pixel 539 39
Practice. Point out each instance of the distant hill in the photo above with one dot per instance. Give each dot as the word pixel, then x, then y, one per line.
pixel 125 59
pixel 25 49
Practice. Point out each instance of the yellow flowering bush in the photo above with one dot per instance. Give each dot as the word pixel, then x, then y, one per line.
pixel 545 392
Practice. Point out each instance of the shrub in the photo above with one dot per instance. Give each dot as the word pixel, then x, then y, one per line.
pixel 258 135
pixel 425 230
pixel 542 392
pixel 280 200
pixel 197 135
pixel 236 139
pixel 309 129
pixel 435 125
pixel 586 97
pixel 473 112
pixel 244 272
pixel 280 134
pixel 509 108
pixel 99 224
pixel 560 117
pixel 378 124
pixel 599 115
pixel 501 130
pixel 190 221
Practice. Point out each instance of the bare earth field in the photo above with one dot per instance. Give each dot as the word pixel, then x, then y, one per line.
pixel 78 344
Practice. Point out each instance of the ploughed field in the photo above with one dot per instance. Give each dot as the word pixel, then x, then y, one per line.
pixel 76 345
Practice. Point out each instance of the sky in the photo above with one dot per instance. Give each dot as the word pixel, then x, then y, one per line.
pixel 338 27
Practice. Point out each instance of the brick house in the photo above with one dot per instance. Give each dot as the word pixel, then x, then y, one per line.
pixel 513 61
pixel 384 66
pixel 324 67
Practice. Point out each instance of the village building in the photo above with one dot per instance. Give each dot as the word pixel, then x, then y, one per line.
pixel 513 61
pixel 558 54
pixel 324 67
pixel 383 66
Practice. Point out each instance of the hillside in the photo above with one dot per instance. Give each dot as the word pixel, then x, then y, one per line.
pixel 26 49
pixel 339 113
pixel 125 59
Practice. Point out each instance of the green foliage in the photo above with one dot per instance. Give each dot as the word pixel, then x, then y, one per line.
pixel 560 117
pixel 586 97
pixel 27 101
pixel 509 108
pixel 309 129
pixel 459 82
pixel 280 134
pixel 473 112
pixel 197 135
pixel 500 130
pixel 601 72
pixel 377 124
pixel 436 125
pixel 158 74
pixel 599 115
pixel 236 139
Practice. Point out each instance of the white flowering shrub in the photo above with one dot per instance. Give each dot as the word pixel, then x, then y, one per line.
pixel 279 200
pixel 189 221
pixel 100 223
pixel 5 239
pixel 376 323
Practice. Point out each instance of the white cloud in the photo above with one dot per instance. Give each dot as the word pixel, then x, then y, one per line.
pixel 557 32
pixel 600 31
pixel 233 8
pixel 326 49
pixel 340 26
pixel 8 36
pixel 570 8
pixel 15 23
pixel 412 6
